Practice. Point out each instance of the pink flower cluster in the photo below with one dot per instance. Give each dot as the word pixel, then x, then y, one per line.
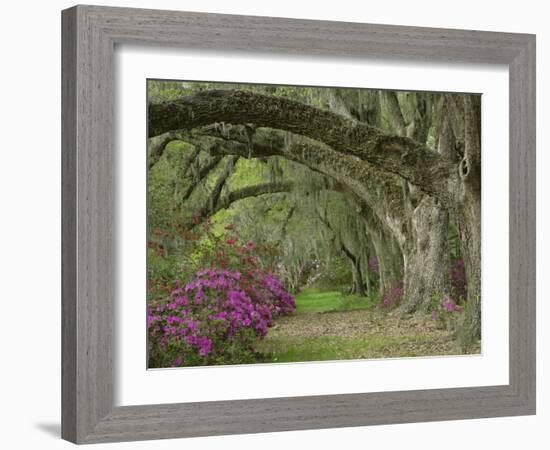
pixel 282 303
pixel 217 311
pixel 444 310
pixel 450 305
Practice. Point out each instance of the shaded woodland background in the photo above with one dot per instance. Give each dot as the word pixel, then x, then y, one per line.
pixel 363 205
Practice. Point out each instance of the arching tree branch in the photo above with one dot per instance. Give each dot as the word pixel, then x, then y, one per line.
pixel 390 153
pixel 231 197
pixel 157 144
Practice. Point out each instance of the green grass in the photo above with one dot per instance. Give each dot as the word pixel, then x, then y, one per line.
pixel 302 337
pixel 327 348
pixel 316 301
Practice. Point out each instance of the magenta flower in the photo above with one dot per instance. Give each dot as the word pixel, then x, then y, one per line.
pixel 205 346
pixel 216 308
pixel 450 305
pixel 193 325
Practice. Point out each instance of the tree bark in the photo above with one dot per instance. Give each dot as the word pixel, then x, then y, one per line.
pixel 419 223
pixel 426 257
pixel 201 174
pixel 423 230
pixel 358 284
pixel 388 254
pixel 225 201
pixel 469 217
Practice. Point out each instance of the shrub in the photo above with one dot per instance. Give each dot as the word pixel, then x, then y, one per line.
pixel 162 274
pixel 167 269
pixel 219 315
pixel 215 319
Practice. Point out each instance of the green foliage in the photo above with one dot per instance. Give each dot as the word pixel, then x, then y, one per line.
pixel 161 273
pixel 334 273
pixel 314 300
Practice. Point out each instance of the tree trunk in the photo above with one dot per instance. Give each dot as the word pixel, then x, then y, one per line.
pixel 389 259
pixel 469 218
pixel 426 257
pixel 358 283
pixel 470 231
pixel 426 250
pixel 366 273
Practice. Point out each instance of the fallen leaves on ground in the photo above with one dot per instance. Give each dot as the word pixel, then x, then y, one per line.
pixel 354 324
pixel 356 335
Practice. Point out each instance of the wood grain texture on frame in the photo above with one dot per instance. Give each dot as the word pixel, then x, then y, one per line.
pixel 89 37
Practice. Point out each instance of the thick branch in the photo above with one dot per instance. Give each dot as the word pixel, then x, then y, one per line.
pixel 156 146
pixel 394 154
pixel 381 191
pixel 234 196
pixel 253 191
pixel 456 117
pixel 203 171
pixel 222 180
pixel 470 166
pixel 394 112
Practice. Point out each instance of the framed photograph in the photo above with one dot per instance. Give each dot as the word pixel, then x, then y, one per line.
pixel 278 224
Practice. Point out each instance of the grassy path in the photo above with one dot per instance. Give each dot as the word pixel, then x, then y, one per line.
pixel 332 326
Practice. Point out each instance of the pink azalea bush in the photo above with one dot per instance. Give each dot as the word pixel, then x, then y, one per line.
pixel 218 316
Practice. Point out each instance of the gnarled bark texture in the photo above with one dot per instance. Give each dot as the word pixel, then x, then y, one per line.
pixel 426 257
pixel 469 215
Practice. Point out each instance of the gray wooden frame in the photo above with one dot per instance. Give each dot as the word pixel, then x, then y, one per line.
pixel 89 36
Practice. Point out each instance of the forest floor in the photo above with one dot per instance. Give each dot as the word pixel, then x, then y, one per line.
pixel 333 326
